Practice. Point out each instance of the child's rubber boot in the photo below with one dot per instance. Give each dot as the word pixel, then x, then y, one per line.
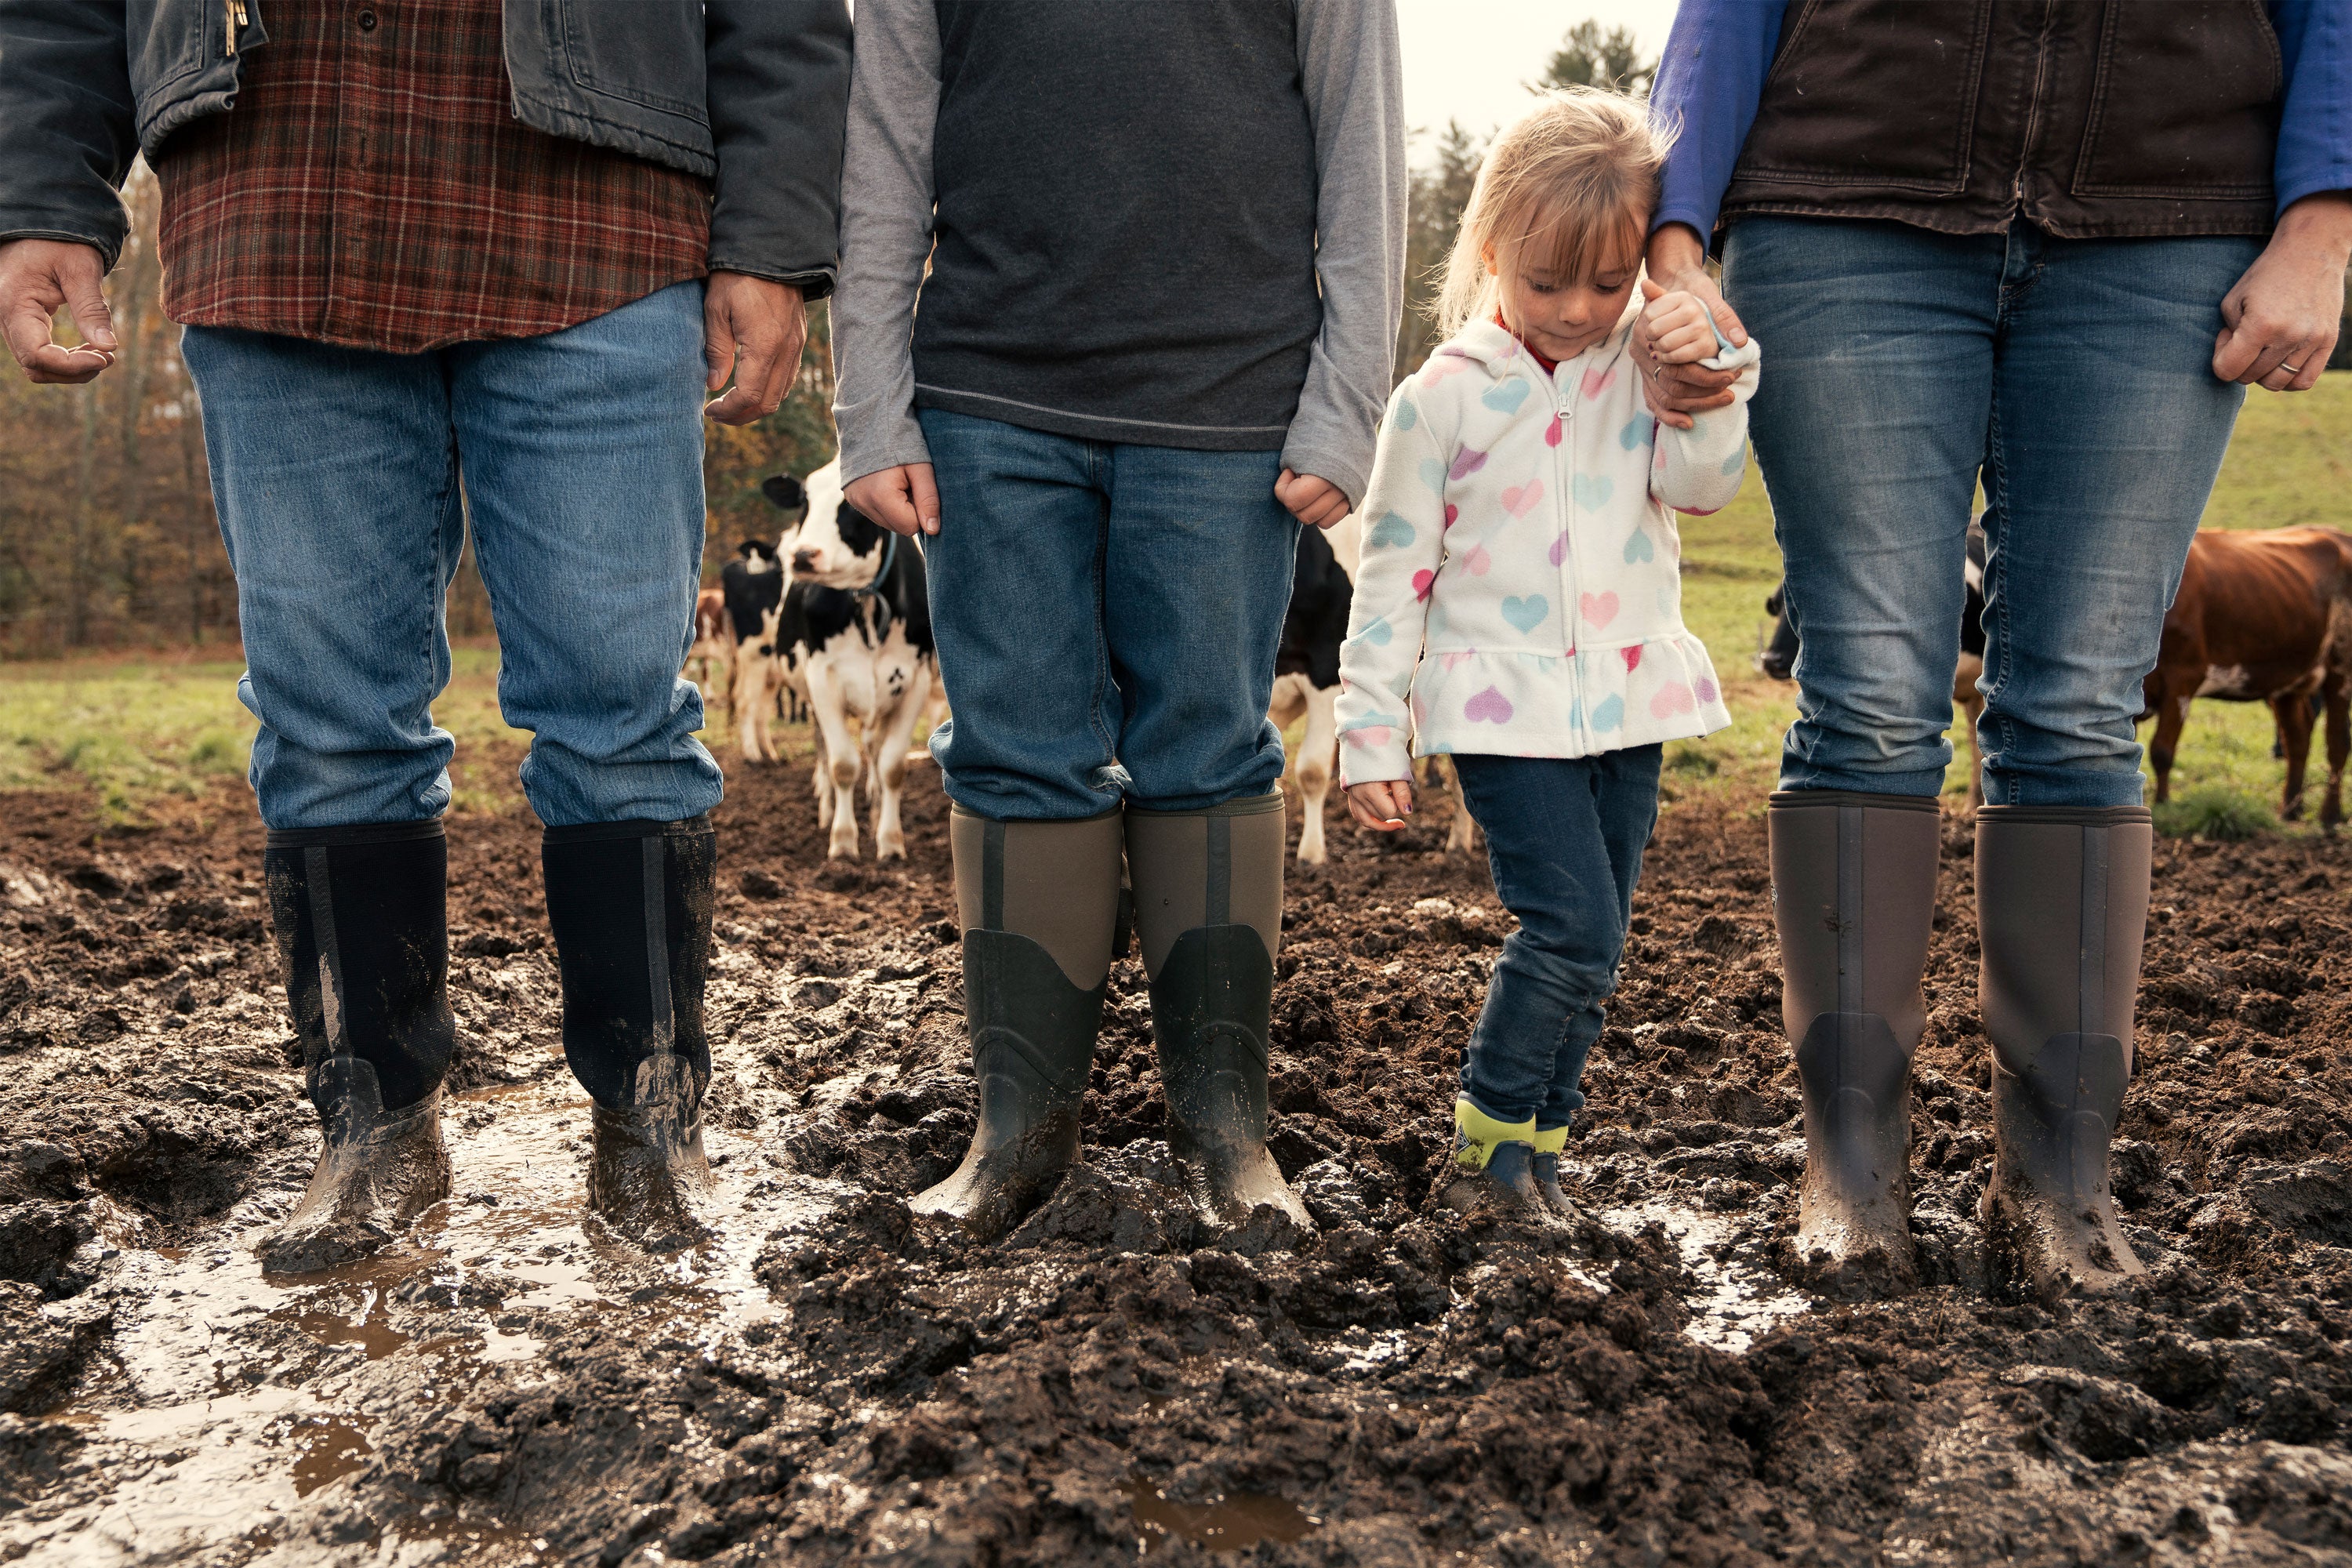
pixel 1493 1166
pixel 1208 908
pixel 1853 896
pixel 363 943
pixel 1038 902
pixel 1549 1143
pixel 2061 910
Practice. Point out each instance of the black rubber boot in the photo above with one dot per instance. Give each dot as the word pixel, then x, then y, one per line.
pixel 1853 896
pixel 1208 897
pixel 630 906
pixel 1039 901
pixel 2062 910
pixel 1549 1144
pixel 362 941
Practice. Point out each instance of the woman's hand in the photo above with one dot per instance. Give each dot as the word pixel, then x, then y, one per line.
pixel 1677 264
pixel 904 499
pixel 1381 805
pixel 2280 323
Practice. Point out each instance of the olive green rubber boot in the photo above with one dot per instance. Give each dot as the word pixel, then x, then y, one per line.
pixel 2061 910
pixel 1208 909
pixel 1039 902
pixel 1853 896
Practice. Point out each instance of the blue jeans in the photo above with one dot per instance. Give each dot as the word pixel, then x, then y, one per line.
pixel 337 478
pixel 1897 360
pixel 1564 837
pixel 1107 618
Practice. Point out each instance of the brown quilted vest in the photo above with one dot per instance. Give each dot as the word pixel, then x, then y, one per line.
pixel 2089 118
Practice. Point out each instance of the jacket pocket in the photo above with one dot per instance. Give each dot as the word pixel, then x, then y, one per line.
pixel 645 51
pixel 2185 103
pixel 1842 66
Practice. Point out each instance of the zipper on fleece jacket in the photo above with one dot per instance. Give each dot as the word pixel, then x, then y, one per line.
pixel 1571 567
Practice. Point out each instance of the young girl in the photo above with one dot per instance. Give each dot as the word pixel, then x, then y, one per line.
pixel 1518 604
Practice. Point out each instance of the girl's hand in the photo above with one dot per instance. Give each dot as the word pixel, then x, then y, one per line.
pixel 1677 259
pixel 1676 324
pixel 1381 805
pixel 1311 499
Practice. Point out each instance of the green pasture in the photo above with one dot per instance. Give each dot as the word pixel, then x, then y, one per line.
pixel 139 732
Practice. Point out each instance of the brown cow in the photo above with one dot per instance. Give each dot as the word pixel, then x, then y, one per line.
pixel 712 656
pixel 2262 617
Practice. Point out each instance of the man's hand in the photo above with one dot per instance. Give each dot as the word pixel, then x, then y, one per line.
pixel 904 499
pixel 1677 264
pixel 37 277
pixel 1310 500
pixel 1381 805
pixel 753 329
pixel 2280 323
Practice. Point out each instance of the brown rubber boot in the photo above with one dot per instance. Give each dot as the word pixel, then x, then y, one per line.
pixel 1854 895
pixel 1038 902
pixel 1208 911
pixel 2062 910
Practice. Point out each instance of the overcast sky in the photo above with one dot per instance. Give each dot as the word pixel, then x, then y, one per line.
pixel 1466 60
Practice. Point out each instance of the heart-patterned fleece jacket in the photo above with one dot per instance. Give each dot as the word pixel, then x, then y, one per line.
pixel 1520 588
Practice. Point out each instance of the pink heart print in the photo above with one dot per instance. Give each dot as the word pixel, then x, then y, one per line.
pixel 1551 436
pixel 1598 609
pixel 1451 512
pixel 1671 701
pixel 1490 706
pixel 1368 737
pixel 1466 461
pixel 1450 660
pixel 1477 561
pixel 1422 583
pixel 1598 382
pixel 1441 366
pixel 1632 658
pixel 1520 500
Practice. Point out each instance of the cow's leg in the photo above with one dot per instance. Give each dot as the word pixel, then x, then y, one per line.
pixel 843 756
pixel 1317 750
pixel 820 784
pixel 1970 702
pixel 891 763
pixel 2292 710
pixel 2339 696
pixel 1461 837
pixel 2171 713
pixel 747 684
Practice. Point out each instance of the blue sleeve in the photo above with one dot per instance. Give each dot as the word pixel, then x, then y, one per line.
pixel 1709 82
pixel 2314 144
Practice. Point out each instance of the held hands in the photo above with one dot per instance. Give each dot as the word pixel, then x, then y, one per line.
pixel 37 277
pixel 1381 805
pixel 2279 324
pixel 1673 388
pixel 1677 325
pixel 904 499
pixel 753 329
pixel 1310 500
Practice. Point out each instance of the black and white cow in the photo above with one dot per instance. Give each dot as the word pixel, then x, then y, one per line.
pixel 1307 678
pixel 854 635
pixel 753 586
pixel 1778 658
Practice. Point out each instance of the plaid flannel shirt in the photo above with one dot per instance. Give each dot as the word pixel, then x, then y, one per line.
pixel 372 188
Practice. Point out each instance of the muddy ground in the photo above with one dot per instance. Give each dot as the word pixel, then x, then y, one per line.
pixel 834 1381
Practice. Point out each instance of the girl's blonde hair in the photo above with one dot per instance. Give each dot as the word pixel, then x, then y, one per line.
pixel 1563 189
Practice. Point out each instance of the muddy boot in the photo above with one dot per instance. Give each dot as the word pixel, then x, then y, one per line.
pixel 630 906
pixel 362 941
pixel 1494 1168
pixel 1038 902
pixel 2061 908
pixel 1208 910
pixel 1549 1143
pixel 1854 895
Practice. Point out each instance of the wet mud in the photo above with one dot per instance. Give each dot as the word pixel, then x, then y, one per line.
pixel 833 1381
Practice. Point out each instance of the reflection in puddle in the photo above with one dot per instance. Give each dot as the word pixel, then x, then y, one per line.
pixel 1234 1523
pixel 1734 1302
pixel 329 1447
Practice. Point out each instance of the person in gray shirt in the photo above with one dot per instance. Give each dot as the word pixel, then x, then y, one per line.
pixel 1159 254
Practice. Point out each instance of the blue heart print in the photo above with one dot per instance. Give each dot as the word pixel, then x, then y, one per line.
pixel 1373 721
pixel 1391 532
pixel 1639 547
pixel 1378 633
pixel 1505 397
pixel 1593 490
pixel 1406 418
pixel 1433 474
pixel 1737 462
pixel 1636 431
pixel 1610 714
pixel 1527 614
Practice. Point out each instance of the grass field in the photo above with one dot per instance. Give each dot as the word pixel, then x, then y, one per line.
pixel 143 730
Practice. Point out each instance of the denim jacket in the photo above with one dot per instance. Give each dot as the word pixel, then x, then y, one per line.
pixel 749 94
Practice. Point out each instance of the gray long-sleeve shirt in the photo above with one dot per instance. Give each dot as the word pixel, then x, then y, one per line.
pixel 1172 224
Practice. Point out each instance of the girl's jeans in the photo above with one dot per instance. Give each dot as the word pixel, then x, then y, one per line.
pixel 1896 360
pixel 1565 837
pixel 337 475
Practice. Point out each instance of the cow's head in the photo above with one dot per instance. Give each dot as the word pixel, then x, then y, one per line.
pixel 1778 658
pixel 758 554
pixel 837 545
